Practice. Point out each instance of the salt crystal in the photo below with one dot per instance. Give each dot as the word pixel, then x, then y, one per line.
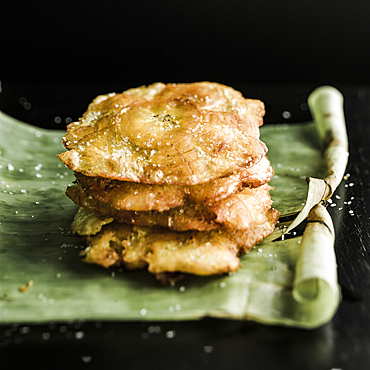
pixel 170 334
pixel 154 329
pixel 208 349
pixel 79 334
pixel 24 329
pixel 45 336
pixel 86 359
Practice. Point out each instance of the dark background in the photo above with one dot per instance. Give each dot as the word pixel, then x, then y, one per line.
pixel 55 56
pixel 229 41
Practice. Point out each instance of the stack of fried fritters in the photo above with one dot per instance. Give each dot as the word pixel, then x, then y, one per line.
pixel 170 177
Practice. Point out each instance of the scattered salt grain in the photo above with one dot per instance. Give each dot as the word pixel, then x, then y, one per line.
pixel 208 349
pixel 86 359
pixel 153 329
pixel 170 334
pixel 79 334
pixel 24 330
pixel 45 336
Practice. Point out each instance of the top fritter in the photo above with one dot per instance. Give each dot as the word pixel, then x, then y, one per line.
pixel 181 134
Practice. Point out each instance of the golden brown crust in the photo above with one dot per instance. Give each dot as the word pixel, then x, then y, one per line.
pixel 187 217
pixel 130 196
pixel 246 239
pixel 193 252
pixel 242 210
pixel 185 134
pixel 164 251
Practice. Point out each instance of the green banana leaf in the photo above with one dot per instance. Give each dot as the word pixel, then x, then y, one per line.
pixel 42 278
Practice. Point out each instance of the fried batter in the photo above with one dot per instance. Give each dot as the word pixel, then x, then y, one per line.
pixel 163 251
pixel 132 196
pixel 186 217
pixel 189 140
pixel 193 252
pixel 244 209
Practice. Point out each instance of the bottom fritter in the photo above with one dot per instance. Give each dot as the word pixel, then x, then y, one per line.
pixel 163 251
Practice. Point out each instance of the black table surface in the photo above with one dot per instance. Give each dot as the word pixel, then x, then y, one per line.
pixel 343 343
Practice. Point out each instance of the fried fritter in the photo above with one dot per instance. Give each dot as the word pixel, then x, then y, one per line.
pixel 244 209
pixel 132 196
pixel 186 217
pixel 186 134
pixel 125 195
pixel 193 252
pixel 163 251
